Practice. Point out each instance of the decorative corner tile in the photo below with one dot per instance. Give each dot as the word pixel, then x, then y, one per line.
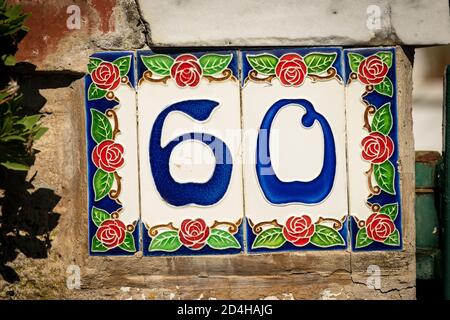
pixel 111 137
pixel 374 203
pixel 293 106
pixel 189 150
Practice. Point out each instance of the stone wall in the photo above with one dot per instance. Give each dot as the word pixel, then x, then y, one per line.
pixel 45 211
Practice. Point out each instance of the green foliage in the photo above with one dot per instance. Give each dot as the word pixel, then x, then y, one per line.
pixel 12 30
pixel 17 129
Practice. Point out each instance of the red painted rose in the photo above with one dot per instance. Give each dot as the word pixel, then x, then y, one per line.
pixel 379 226
pixel 106 76
pixel 377 148
pixel 291 70
pixel 372 70
pixel 186 71
pixel 299 230
pixel 193 233
pixel 111 233
pixel 108 156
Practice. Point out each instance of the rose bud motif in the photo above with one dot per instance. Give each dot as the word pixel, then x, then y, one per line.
pixel 299 230
pixel 106 76
pixel 111 233
pixel 291 70
pixel 186 71
pixel 372 70
pixel 377 148
pixel 379 227
pixel 194 233
pixel 108 156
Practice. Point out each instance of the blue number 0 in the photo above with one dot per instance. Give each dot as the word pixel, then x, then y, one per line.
pixel 279 192
pixel 180 194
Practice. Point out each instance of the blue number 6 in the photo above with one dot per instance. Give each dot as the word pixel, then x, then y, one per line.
pixel 279 192
pixel 180 194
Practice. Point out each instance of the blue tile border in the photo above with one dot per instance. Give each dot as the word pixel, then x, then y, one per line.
pixel 106 205
pixel 378 100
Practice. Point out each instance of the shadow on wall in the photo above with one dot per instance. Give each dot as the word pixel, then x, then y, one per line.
pixel 27 214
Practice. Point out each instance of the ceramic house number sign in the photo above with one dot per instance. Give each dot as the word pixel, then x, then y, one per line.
pixel 242 152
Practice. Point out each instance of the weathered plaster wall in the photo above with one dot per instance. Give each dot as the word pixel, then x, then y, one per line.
pixel 46 209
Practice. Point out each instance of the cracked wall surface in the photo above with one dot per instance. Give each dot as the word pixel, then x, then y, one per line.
pixel 54 190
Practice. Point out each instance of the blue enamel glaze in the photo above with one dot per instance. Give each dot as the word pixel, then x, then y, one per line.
pixel 310 192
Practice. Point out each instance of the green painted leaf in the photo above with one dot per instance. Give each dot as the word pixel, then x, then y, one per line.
pixel 382 119
pixel 124 64
pixel 385 176
pixel 220 239
pixel 101 128
pixel 166 241
pixel 93 64
pixel 326 237
pixel 319 62
pixel 99 215
pixel 386 88
pixel 390 209
pixel 128 243
pixel 159 64
pixel 393 239
pixel 362 240
pixel 214 63
pixel 103 182
pixel 95 93
pixel 386 57
pixel 263 63
pixel 97 246
pixel 354 60
pixel 39 133
pixel 270 238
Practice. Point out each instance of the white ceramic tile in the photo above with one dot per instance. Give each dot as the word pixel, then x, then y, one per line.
pixel 112 154
pixel 208 221
pixel 310 217
pixel 374 191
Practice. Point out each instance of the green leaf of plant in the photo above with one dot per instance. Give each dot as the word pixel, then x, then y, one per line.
pixel 29 121
pixel 15 165
pixel 362 240
pixel 159 64
pixel 97 246
pixel 99 215
pixel 354 60
pixel 10 60
pixel 263 63
pixel 93 64
pixel 382 119
pixel 101 128
pixel 103 182
pixel 214 63
pixel 386 88
pixel 128 243
pixel 40 132
pixel 386 57
pixel 390 209
pixel 326 237
pixel 95 93
pixel 393 239
pixel 319 62
pixel 385 176
pixel 166 241
pixel 220 239
pixel 270 238
pixel 123 63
